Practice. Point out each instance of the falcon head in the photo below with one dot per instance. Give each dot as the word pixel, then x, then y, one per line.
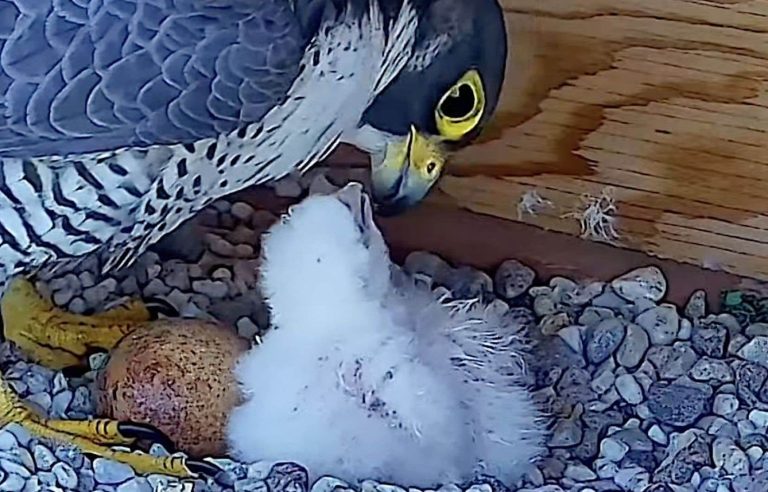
pixel 438 103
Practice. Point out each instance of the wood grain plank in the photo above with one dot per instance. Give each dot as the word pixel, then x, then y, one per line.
pixel 665 102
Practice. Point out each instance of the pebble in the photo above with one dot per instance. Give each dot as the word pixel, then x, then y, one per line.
pixel 551 324
pixel 579 473
pixel 634 478
pixel 573 337
pixel 686 328
pixel 139 484
pixel 111 472
pixel 470 283
pixel 759 418
pixel 63 297
pixel 725 405
pixel 696 307
pixel 604 339
pixel 81 401
pixel 678 404
pixel 156 288
pixel 44 457
pixel 544 306
pixel 662 324
pixel 289 477
pixel 709 341
pixel 629 389
pixel 40 400
pixel 14 468
pixel 756 350
pixel 211 288
pixel 287 187
pixel 22 435
pixel 634 346
pixel 603 381
pixel 513 279
pixel 642 283
pixel 428 264
pixel 727 455
pixel 8 440
pixel 593 315
pixel 60 403
pixel 77 305
pixel 37 380
pixel 610 300
pixel 65 475
pixel 246 328
pixel 657 434
pixel 242 211
pixel 754 453
pixel 737 342
pixel 713 371
pixel 686 452
pixel 635 438
pixel 567 432
pixel 672 362
pixel 220 246
pixel 12 483
pixel 613 450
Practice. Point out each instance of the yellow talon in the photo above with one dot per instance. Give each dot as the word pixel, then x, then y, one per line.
pixel 58 339
pixel 99 431
pixel 92 437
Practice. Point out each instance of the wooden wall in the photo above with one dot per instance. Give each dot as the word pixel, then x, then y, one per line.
pixel 665 101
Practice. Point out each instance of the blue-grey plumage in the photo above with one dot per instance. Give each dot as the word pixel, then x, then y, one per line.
pixel 120 119
pixel 80 77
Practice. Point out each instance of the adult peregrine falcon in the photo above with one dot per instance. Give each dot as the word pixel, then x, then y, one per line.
pixel 120 119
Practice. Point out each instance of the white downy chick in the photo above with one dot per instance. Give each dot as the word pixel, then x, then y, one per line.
pixel 365 375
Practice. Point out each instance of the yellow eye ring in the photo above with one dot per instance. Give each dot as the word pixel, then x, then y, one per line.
pixel 461 107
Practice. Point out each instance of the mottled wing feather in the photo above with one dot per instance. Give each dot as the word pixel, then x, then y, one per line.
pixel 80 76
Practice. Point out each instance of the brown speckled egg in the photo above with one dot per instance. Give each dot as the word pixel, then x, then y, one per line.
pixel 176 375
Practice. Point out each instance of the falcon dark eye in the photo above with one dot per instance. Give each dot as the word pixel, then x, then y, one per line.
pixel 461 107
pixel 431 166
pixel 459 104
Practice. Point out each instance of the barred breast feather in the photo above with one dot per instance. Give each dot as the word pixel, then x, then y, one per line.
pixel 119 119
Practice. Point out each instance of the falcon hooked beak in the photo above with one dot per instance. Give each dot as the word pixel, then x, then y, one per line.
pixel 410 167
pixel 437 104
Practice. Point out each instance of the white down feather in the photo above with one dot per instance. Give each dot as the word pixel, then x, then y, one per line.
pixel 365 375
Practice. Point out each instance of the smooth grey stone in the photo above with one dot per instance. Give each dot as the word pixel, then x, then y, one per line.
pixel 604 339
pixel 65 475
pixel 111 472
pixel 678 404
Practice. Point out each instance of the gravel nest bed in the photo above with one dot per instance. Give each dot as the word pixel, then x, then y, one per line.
pixel 644 396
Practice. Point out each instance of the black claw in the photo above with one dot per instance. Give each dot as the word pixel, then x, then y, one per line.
pixel 203 468
pixel 158 306
pixel 144 432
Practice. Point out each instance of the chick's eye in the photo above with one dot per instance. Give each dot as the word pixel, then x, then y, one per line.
pixel 459 103
pixel 431 166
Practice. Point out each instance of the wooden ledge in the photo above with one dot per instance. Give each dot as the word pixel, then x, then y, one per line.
pixel 466 238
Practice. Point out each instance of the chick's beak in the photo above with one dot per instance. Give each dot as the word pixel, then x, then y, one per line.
pixel 410 167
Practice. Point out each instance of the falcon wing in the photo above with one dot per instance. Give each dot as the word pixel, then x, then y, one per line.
pixel 85 76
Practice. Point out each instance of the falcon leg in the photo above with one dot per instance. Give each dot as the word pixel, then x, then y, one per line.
pixel 58 339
